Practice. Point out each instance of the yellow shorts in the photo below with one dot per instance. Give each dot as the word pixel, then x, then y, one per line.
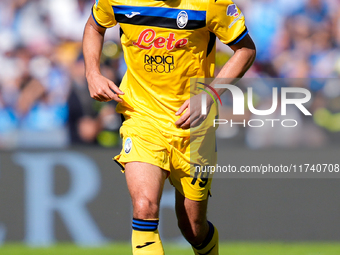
pixel 143 142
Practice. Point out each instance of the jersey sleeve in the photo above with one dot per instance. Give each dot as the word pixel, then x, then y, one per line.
pixel 226 21
pixel 103 15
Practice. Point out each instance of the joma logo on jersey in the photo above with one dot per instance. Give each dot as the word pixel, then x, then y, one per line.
pixel 147 39
pixel 159 64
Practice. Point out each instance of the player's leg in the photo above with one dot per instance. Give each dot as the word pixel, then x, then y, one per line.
pixel 193 223
pixel 145 183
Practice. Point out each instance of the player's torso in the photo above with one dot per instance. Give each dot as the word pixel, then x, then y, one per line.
pixel 165 43
pixel 164 40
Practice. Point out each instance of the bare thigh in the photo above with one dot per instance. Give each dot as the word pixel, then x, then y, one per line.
pixel 145 183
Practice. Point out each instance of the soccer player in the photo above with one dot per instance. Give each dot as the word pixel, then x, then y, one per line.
pixel 166 43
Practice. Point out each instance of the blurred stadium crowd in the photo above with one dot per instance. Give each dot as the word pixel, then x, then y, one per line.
pixel 44 101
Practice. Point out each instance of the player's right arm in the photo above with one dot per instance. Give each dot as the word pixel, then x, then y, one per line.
pixel 100 88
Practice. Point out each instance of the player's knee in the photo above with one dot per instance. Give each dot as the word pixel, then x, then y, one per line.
pixel 144 208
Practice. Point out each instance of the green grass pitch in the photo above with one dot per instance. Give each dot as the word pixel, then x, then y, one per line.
pixel 237 248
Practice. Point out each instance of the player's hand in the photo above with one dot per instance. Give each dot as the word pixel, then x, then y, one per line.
pixel 102 89
pixel 192 116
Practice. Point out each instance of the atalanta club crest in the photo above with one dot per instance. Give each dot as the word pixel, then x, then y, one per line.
pixel 128 145
pixel 182 19
pixel 232 11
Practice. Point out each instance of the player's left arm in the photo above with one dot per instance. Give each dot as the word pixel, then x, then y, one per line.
pixel 234 69
pixel 239 63
pixel 231 30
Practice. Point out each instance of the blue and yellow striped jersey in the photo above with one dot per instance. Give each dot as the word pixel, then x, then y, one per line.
pixel 166 43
